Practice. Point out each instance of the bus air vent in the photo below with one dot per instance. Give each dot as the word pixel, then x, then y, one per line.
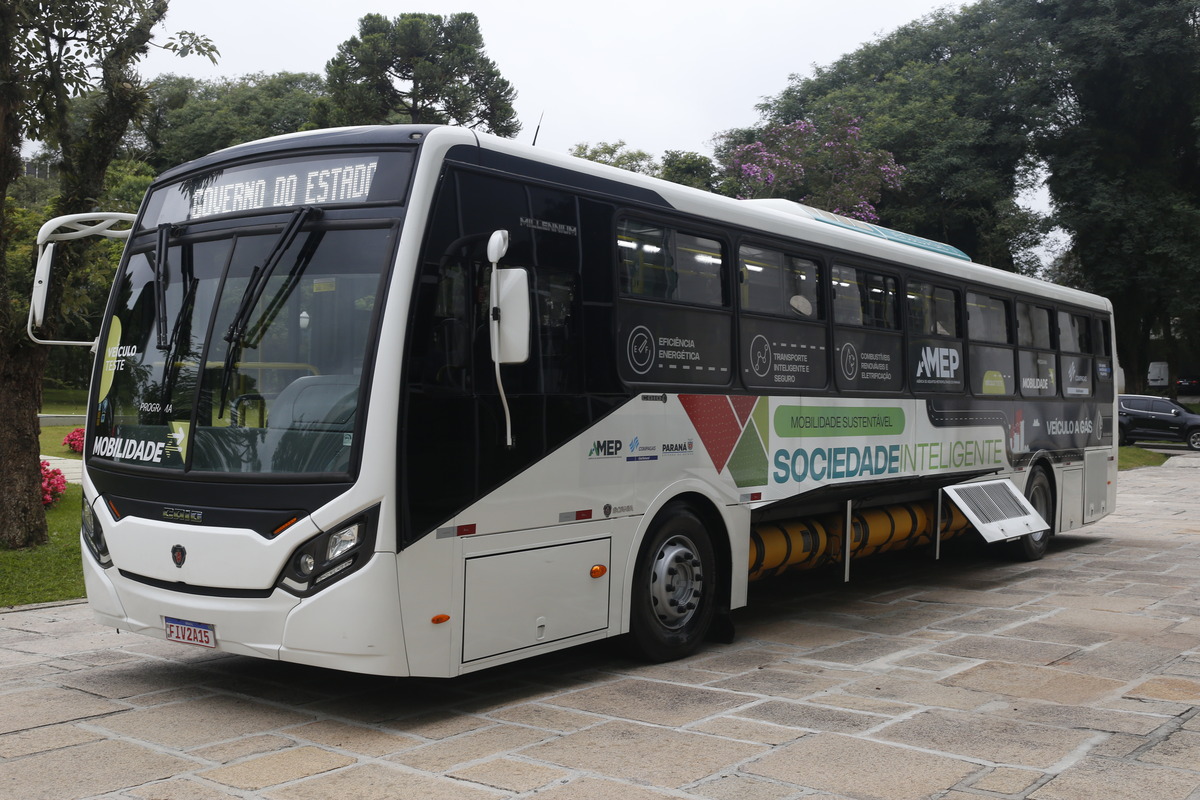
pixel 997 509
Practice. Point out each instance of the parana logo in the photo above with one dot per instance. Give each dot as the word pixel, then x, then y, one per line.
pixel 678 448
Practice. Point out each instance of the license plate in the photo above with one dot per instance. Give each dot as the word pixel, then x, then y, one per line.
pixel 187 632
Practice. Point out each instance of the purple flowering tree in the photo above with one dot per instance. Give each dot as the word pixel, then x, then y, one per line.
pixel 829 168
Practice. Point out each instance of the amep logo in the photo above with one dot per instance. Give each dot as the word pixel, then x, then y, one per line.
pixel 938 362
pixel 606 448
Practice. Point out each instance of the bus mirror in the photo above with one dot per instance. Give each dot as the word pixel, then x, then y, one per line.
pixel 510 341
pixel 497 246
pixel 41 285
pixel 71 226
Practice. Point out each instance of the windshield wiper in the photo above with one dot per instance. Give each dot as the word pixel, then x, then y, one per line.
pixel 261 274
pixel 160 285
pixel 259 277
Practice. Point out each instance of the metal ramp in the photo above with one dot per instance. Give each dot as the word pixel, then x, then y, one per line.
pixel 997 509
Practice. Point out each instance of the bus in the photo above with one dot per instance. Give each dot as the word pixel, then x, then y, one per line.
pixel 418 401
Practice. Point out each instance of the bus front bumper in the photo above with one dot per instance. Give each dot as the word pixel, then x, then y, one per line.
pixel 349 626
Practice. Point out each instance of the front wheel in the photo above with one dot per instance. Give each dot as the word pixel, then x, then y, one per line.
pixel 1193 439
pixel 674 590
pixel 1040 494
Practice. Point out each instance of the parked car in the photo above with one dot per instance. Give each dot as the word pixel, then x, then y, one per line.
pixel 1146 418
pixel 1189 385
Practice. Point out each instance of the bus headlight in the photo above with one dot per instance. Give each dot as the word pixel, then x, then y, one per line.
pixel 93 535
pixel 342 542
pixel 328 557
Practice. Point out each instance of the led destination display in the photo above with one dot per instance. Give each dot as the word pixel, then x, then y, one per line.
pixel 251 188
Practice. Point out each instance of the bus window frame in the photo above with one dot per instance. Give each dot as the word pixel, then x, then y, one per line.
pixel 973 344
pixel 629 305
pixel 847 338
pixel 914 339
pixel 748 343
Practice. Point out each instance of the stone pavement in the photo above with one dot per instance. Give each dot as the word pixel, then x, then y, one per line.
pixel 1074 678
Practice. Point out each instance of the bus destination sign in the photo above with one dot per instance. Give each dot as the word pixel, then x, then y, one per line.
pixel 266 186
pixel 283 184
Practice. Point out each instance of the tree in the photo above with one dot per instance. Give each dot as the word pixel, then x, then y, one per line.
pixel 678 166
pixel 690 169
pixel 50 52
pixel 955 97
pixel 617 154
pixel 829 169
pixel 418 68
pixel 1125 163
pixel 187 118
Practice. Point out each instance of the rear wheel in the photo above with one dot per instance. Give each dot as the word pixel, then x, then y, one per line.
pixel 1123 438
pixel 1040 494
pixel 1193 439
pixel 674 590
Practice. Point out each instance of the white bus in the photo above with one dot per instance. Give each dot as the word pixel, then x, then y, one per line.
pixel 411 400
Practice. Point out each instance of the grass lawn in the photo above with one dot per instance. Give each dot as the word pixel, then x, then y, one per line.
pixel 51 572
pixel 51 439
pixel 1134 457
pixel 64 401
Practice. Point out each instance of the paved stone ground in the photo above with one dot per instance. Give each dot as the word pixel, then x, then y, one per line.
pixel 1075 678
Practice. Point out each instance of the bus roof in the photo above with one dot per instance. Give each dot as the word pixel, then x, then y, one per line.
pixel 771 216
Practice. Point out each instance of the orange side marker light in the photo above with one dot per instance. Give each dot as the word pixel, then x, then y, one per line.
pixel 599 571
pixel 440 618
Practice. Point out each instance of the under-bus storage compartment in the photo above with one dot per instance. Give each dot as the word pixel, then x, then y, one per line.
pixel 1097 484
pixel 1071 499
pixel 532 597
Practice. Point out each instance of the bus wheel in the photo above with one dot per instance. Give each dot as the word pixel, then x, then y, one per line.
pixel 1040 495
pixel 674 590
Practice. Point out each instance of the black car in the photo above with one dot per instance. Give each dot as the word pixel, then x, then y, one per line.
pixel 1145 418
pixel 1189 384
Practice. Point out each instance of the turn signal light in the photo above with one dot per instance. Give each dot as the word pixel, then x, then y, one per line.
pixel 599 571
pixel 440 618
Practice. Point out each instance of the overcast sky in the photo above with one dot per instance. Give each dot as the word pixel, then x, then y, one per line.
pixel 658 75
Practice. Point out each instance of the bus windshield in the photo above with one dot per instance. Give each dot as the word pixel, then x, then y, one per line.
pixel 246 354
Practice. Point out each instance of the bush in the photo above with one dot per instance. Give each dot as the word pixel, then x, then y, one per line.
pixel 53 484
pixel 74 440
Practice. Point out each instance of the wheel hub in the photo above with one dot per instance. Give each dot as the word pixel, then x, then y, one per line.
pixel 676 582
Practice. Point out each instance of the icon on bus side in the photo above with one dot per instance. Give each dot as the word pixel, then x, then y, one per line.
pixel 848 359
pixel 760 356
pixel 178 555
pixel 641 349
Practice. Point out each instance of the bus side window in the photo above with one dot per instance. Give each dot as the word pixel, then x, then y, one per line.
pixel 992 371
pixel 780 285
pixel 662 264
pixel 1035 359
pixel 932 310
pixel 864 298
pixel 936 362
pixel 1074 336
pixel 847 300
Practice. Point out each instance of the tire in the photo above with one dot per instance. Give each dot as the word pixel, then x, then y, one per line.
pixel 1040 494
pixel 1123 439
pixel 675 587
pixel 1193 439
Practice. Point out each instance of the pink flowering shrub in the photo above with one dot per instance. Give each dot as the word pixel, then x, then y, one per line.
pixel 53 484
pixel 74 440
